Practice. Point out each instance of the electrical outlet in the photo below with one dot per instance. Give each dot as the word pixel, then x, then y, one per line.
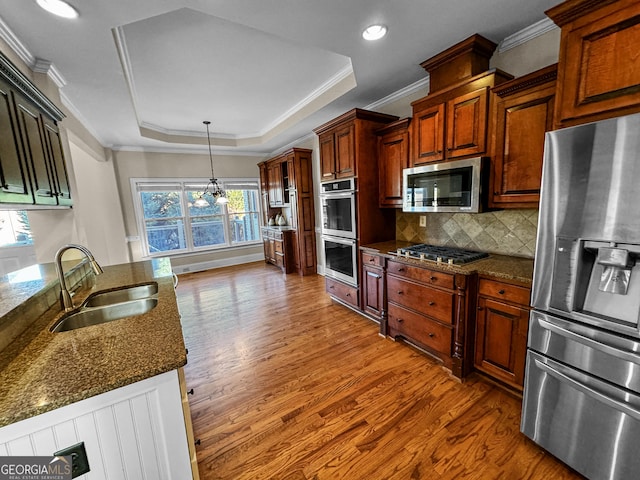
pixel 423 220
pixel 79 461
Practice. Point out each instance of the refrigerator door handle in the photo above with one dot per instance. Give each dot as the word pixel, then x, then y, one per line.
pixel 587 385
pixel 579 335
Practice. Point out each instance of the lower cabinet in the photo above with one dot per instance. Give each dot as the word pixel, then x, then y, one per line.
pixel 373 291
pixel 429 308
pixel 278 248
pixel 502 323
pixel 137 431
pixel 342 292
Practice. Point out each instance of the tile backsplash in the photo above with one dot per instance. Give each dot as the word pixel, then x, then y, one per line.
pixel 507 232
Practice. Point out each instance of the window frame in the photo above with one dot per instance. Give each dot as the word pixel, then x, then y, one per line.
pixel 182 186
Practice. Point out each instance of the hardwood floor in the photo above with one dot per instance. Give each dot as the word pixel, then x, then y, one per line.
pixel 289 385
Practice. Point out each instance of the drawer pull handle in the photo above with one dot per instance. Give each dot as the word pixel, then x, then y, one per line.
pixel 432 303
pixel 431 335
pixel 331 287
pixel 400 320
pixel 400 292
pixel 372 259
pixel 432 278
pixel 480 309
pixel 501 292
pixel 348 294
pixel 401 269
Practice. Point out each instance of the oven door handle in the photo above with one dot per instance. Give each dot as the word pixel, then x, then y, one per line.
pixel 343 194
pixel 579 335
pixel 589 385
pixel 341 240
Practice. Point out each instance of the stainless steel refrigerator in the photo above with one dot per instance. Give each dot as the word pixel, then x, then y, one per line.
pixel 582 384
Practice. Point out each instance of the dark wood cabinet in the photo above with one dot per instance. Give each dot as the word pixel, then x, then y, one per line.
pixel 14 176
pixel 373 286
pixel 287 187
pixel 453 120
pixel 32 164
pixel 278 248
pixel 430 309
pixel 598 67
pixel 453 123
pixel 502 322
pixel 523 111
pixel 393 157
pixel 337 153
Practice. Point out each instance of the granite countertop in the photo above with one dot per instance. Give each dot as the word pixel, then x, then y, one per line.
pixel 41 371
pixel 513 269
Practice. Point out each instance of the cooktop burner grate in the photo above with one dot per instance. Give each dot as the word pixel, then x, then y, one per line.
pixel 437 253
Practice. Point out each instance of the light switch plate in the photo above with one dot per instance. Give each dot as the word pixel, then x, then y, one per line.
pixel 423 220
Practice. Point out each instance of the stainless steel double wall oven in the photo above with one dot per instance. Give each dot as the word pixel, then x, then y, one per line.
pixel 339 239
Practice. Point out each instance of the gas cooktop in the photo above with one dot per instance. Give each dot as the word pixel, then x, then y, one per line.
pixel 435 253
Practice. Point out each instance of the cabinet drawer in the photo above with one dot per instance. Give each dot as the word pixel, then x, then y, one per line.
pixel 341 291
pixel 429 301
pixel 504 291
pixel 279 258
pixel 431 277
pixel 368 259
pixel 278 247
pixel 416 327
pixel 277 235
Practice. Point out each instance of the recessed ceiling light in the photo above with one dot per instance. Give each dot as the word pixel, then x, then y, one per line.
pixel 374 32
pixel 59 8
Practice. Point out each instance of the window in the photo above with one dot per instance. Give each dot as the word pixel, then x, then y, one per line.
pixel 171 223
pixel 15 230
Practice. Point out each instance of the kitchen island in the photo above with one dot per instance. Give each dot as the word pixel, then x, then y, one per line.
pixel 120 382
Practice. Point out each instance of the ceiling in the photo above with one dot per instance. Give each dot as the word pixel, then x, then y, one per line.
pixel 144 74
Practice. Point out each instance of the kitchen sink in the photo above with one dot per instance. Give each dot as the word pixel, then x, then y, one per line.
pixel 87 316
pixel 122 294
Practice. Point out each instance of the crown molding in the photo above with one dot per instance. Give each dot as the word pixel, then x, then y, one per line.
pixel 187 151
pixel 45 66
pixel 15 44
pixel 526 34
pixel 403 92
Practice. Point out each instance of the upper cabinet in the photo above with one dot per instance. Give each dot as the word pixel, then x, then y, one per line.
pixel 452 121
pixel 32 166
pixel 598 67
pixel 393 157
pixel 345 140
pixel 522 114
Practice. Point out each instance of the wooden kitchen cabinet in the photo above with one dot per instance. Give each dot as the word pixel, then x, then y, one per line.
pixel 14 176
pixel 598 66
pixel 429 308
pixel 278 248
pixel 522 113
pixel 502 323
pixel 453 120
pixel 373 286
pixel 393 157
pixel 292 188
pixel 32 164
pixel 347 141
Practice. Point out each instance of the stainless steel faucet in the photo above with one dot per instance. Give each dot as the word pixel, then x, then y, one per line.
pixel 65 297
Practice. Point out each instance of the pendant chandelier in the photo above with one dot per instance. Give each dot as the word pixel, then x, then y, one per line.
pixel 212 188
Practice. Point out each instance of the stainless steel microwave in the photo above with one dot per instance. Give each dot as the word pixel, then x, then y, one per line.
pixel 456 186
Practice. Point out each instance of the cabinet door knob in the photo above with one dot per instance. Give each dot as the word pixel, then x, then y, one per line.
pixel 348 294
pixel 401 269
pixel 372 260
pixel 197 442
pixel 400 292
pixel 431 335
pixel 432 303
pixel 190 392
pixel 432 278
pixel 480 309
pixel 400 320
pixel 501 292
pixel 331 287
